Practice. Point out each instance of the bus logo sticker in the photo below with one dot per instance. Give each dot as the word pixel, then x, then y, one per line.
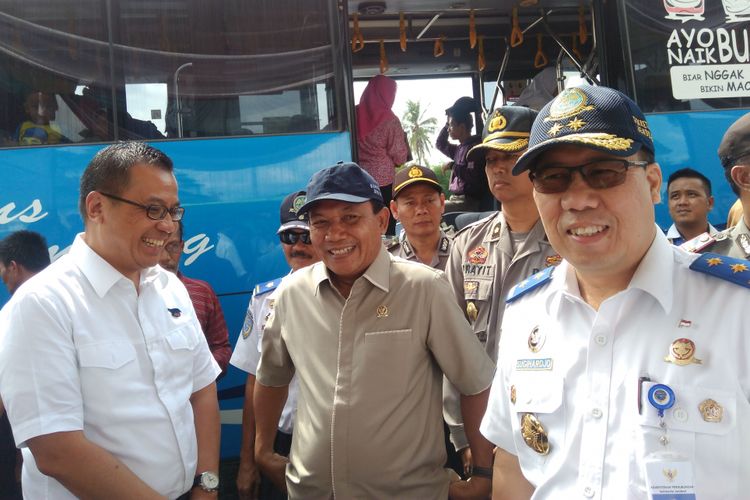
pixel 685 10
pixel 736 10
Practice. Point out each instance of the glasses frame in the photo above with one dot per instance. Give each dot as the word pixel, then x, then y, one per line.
pixel 290 238
pixel 153 212
pixel 585 173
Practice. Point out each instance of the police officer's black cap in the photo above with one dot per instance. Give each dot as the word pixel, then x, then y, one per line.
pixel 462 107
pixel 507 129
pixel 598 118
pixel 414 175
pixel 289 213
pixel 343 182
pixel 735 144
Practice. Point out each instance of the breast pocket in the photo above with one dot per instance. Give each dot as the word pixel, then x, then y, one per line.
pixel 104 367
pixel 701 419
pixel 106 355
pixel 386 360
pixel 477 291
pixel 539 423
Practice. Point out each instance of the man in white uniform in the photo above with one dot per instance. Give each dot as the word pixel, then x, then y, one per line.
pixel 294 234
pixel 104 371
pixel 636 341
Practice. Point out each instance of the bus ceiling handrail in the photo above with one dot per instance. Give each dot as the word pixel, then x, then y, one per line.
pixel 590 78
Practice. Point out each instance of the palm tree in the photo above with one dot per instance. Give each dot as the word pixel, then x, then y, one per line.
pixel 419 129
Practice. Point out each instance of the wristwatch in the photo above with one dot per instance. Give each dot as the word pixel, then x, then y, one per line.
pixel 208 481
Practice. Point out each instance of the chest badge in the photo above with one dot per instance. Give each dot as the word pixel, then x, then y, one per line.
pixel 711 411
pixel 536 340
pixel 682 352
pixel 382 311
pixel 534 434
pixel 478 255
pixel 175 312
pixel 513 394
pixel 471 311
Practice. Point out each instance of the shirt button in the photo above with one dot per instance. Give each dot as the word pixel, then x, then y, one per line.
pixel 596 413
pixel 588 491
pixel 680 414
pixel 601 339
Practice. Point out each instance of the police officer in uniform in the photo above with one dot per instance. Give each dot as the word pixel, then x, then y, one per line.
pixel 294 234
pixel 495 253
pixel 734 154
pixel 639 343
pixel 418 203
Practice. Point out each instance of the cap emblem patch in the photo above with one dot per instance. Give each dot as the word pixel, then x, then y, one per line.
pixel 497 122
pixel 297 203
pixel 569 103
pixel 414 172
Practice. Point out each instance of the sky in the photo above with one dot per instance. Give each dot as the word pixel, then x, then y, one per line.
pixel 435 95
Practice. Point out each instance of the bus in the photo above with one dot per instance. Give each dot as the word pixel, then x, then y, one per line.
pixel 250 98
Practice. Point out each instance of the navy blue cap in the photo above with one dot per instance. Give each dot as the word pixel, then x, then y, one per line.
pixel 599 118
pixel 289 213
pixel 343 182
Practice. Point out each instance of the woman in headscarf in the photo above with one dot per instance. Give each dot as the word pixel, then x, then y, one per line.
pixel 380 137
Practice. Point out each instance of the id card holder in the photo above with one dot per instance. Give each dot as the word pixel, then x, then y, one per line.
pixel 669 477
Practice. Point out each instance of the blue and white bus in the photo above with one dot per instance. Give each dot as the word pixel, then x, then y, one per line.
pixel 249 98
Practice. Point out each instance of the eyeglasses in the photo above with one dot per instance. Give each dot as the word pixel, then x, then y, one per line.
pixel 598 174
pixel 153 212
pixel 290 238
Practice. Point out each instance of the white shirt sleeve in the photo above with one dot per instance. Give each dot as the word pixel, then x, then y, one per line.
pixel 41 389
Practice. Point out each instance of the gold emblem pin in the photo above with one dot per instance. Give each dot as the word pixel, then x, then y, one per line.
pixel 415 172
pixel 711 411
pixel 534 434
pixel 382 312
pixel 471 311
pixel 682 352
pixel 513 394
pixel 536 340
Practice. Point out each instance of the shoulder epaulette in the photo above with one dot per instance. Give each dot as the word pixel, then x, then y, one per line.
pixel 727 268
pixel 531 283
pixel 391 243
pixel 702 241
pixel 266 286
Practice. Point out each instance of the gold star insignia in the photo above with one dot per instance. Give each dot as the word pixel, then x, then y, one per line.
pixel 738 268
pixel 554 129
pixel 713 261
pixel 576 123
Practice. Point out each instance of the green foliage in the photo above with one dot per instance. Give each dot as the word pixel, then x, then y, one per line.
pixel 419 130
pixel 443 177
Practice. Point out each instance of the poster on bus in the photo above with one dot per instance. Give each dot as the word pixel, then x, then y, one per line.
pixel 704 43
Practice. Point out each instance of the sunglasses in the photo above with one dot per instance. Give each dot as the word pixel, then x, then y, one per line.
pixel 290 238
pixel 598 174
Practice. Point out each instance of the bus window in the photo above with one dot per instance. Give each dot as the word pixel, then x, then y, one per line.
pixel 70 75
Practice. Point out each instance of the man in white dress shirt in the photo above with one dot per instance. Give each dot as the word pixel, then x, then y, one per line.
pixel 105 373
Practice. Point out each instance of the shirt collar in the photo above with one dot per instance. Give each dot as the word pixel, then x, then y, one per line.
pixel 653 276
pixel 673 233
pixel 378 273
pixel 100 273
pixel 443 246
